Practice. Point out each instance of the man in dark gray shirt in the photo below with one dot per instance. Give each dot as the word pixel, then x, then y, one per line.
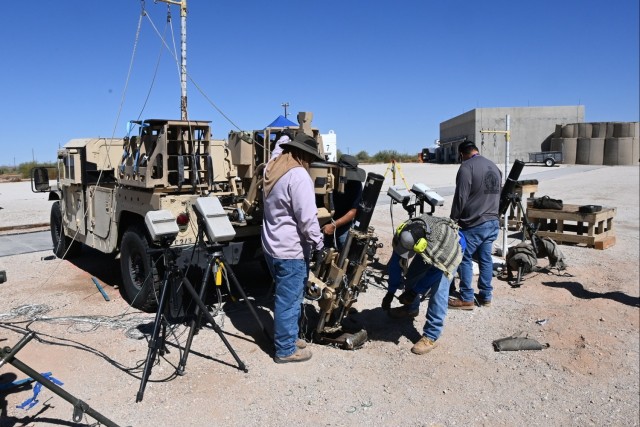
pixel 475 209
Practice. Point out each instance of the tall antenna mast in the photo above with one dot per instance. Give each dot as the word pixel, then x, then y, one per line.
pixel 183 55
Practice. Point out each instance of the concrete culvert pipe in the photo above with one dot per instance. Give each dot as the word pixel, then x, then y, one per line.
pixel 569 131
pixel 569 148
pixel 590 151
pixel 618 151
pixel 622 130
pixel 585 130
pixel 599 130
pixel 609 132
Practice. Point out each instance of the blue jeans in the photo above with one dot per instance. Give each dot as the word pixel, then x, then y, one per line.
pixel 340 240
pixel 290 277
pixel 479 242
pixel 421 278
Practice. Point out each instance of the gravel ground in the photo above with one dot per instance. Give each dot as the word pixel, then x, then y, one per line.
pixel 589 374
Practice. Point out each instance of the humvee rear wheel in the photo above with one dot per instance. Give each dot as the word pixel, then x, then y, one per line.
pixel 63 246
pixel 140 278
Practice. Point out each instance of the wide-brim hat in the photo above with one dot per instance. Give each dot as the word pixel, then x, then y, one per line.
pixel 350 163
pixel 304 142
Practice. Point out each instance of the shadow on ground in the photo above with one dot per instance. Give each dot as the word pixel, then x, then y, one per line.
pixel 578 291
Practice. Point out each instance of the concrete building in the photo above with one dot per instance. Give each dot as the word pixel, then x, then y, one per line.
pixel 532 129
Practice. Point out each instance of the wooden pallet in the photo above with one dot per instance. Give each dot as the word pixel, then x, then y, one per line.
pixel 570 226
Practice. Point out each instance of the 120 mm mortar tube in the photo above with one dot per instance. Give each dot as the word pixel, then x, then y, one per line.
pixel 370 194
pixel 510 186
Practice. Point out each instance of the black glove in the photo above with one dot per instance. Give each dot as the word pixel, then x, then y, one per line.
pixel 386 301
pixel 317 256
pixel 407 297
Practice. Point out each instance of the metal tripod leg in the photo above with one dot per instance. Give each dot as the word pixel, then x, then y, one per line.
pixel 210 319
pixel 193 325
pixel 79 407
pixel 154 342
pixel 235 281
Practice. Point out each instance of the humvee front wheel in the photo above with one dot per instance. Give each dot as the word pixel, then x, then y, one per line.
pixel 63 246
pixel 140 278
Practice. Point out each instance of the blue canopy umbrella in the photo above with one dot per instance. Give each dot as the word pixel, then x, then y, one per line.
pixel 281 122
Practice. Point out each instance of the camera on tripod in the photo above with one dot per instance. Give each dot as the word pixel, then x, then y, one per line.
pixel 179 300
pixel 163 228
pixel 211 214
pixel 415 198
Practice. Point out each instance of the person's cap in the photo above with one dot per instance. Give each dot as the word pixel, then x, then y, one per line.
pixel 405 240
pixel 465 145
pixel 304 142
pixel 350 163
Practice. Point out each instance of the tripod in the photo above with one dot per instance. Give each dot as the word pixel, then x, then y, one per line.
pixel 392 167
pixel 173 276
pixel 157 340
pixel 218 265
pixel 528 231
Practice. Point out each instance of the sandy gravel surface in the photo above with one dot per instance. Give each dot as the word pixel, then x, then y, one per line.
pixel 590 318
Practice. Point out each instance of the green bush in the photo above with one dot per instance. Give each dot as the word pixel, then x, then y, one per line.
pixel 363 156
pixel 23 170
pixel 384 156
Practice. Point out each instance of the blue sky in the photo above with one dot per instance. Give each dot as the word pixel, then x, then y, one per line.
pixel 381 74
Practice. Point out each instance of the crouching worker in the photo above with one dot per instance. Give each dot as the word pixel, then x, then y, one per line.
pixel 439 246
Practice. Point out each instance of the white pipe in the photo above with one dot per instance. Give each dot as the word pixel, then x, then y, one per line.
pixel 505 226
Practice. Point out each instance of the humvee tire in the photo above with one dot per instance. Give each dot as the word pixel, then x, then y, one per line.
pixel 140 275
pixel 63 246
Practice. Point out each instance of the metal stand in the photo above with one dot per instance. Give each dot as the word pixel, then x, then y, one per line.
pixel 216 263
pixel 528 231
pixel 157 340
pixel 79 407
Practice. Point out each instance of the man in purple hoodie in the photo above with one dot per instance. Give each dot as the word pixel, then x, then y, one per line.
pixel 290 233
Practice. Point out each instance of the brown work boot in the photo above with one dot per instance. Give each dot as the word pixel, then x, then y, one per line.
pixel 456 303
pixel 423 346
pixel 402 312
pixel 300 355
pixel 300 343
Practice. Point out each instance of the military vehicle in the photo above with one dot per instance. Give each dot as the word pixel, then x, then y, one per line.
pixel 106 186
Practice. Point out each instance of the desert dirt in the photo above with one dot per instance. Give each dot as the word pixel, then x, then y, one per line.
pixel 589 316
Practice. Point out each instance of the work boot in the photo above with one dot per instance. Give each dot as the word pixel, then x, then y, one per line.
pixel 300 343
pixel 300 355
pixel 483 302
pixel 458 304
pixel 402 312
pixel 423 346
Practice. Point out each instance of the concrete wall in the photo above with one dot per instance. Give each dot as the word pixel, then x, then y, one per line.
pixel 532 129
